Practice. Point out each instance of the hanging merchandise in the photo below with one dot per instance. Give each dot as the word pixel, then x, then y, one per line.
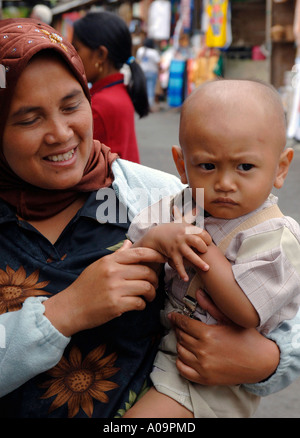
pixel 175 14
pixel 159 20
pixel 205 67
pixel 216 23
pixel 177 82
pixel 66 24
pixel 186 13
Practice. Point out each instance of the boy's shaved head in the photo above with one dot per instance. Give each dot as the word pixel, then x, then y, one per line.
pixel 230 99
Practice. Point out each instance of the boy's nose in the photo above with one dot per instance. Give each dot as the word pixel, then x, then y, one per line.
pixel 225 183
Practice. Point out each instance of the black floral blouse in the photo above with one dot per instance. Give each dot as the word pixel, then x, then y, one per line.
pixel 103 370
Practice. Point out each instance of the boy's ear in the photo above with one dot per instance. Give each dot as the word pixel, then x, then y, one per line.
pixel 179 163
pixel 283 167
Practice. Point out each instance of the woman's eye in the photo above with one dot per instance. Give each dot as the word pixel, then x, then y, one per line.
pixel 207 166
pixel 27 122
pixel 70 108
pixel 245 166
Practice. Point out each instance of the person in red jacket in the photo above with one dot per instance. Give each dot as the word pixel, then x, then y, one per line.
pixel 103 41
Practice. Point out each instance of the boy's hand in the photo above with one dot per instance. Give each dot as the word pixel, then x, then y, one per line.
pixel 179 241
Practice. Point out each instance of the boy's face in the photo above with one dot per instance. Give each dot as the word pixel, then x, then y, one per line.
pixel 234 159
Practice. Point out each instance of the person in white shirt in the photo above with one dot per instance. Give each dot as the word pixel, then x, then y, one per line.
pixel 149 59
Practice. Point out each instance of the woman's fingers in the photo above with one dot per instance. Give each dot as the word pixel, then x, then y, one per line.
pixel 188 332
pixel 115 284
pixel 188 364
pixel 132 302
pixel 138 255
pixel 191 348
pixel 126 245
pixel 125 272
pixel 145 288
pixel 133 265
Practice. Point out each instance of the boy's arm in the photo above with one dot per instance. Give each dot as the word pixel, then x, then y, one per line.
pixel 220 283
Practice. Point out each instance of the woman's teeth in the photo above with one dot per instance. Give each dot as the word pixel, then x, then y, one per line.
pixel 61 157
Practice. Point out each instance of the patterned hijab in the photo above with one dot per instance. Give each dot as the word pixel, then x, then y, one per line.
pixel 20 40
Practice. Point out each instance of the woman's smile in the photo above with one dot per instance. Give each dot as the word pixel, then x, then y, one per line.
pixel 62 158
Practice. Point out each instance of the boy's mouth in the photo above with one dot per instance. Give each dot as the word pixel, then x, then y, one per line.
pixel 224 201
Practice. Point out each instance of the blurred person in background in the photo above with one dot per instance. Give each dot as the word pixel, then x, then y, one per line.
pixel 149 59
pixel 42 12
pixel 103 41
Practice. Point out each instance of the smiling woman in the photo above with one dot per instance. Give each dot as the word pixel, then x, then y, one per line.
pixel 50 172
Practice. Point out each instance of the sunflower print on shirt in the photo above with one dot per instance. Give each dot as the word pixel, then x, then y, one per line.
pixel 78 381
pixel 15 287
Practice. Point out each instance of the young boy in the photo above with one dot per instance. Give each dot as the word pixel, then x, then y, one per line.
pixel 232 136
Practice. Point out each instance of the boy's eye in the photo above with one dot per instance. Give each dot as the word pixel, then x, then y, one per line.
pixel 207 166
pixel 245 166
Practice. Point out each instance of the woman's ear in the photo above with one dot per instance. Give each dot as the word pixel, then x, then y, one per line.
pixel 283 167
pixel 179 163
pixel 102 53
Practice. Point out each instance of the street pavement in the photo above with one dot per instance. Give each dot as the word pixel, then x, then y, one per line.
pixel 156 134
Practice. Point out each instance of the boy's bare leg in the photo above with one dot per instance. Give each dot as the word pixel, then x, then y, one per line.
pixel 156 405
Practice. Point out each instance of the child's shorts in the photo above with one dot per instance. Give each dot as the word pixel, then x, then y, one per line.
pixel 203 401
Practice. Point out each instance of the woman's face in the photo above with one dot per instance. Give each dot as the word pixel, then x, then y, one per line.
pixel 48 134
pixel 89 59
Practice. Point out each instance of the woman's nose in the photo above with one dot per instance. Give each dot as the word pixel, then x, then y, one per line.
pixel 58 131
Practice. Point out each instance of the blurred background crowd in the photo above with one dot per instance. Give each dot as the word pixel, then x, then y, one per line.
pixel 196 40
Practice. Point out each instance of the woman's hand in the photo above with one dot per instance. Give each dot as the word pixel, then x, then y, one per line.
pixel 117 283
pixel 222 354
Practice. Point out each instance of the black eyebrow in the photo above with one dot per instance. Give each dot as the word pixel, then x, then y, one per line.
pixel 72 94
pixel 25 110
pixel 29 109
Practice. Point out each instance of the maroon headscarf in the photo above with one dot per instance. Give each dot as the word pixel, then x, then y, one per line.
pixel 20 40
